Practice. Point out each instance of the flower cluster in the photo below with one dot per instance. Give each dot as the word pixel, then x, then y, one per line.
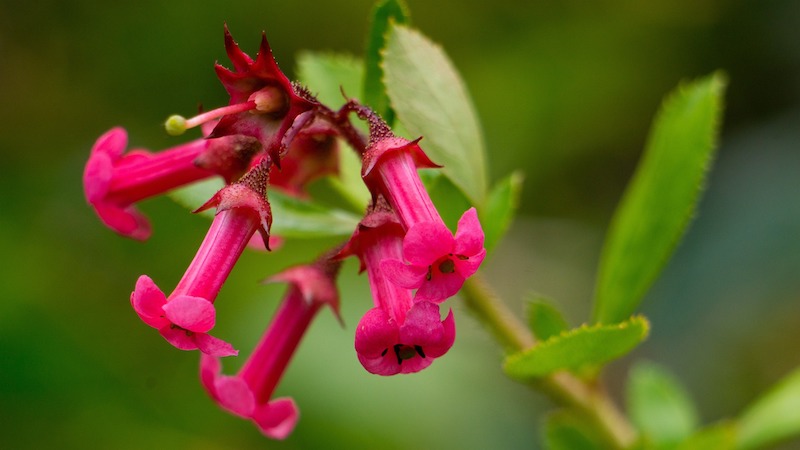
pixel 275 135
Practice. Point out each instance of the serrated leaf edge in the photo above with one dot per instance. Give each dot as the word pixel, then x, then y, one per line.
pixel 512 359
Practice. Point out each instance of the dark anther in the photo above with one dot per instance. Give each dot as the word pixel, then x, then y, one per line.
pixel 447 266
pixel 406 352
pixel 429 275
pixel 172 326
pixel 397 353
pixel 419 351
pixel 383 353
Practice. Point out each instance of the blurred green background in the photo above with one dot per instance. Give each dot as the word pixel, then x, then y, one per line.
pixel 566 91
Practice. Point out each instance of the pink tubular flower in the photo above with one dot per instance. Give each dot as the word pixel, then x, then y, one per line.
pixel 439 263
pixel 185 318
pixel 397 335
pixel 113 182
pixel 248 393
pixel 386 348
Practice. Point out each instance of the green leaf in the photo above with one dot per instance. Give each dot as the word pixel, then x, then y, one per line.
pixel 348 183
pixel 659 406
pixel 195 195
pixel 326 75
pixel 773 417
pixel 577 349
pixel 292 218
pixel 449 200
pixel 384 13
pixel 717 437
pixel 430 99
pixel 660 199
pixel 500 207
pixel 544 319
pixel 567 431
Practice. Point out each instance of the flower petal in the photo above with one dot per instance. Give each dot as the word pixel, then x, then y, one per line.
pixel 148 301
pixel 467 267
pixel 97 177
pixel 437 349
pixel 403 275
pixel 179 338
pixel 375 333
pixel 469 234
pixel 380 365
pixel 415 365
pixel 422 326
pixel 112 143
pixel 441 287
pixel 128 222
pixel 213 346
pixel 192 313
pixel 277 418
pixel 234 395
pixel 210 370
pixel 426 242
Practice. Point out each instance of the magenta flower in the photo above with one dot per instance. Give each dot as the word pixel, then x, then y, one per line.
pixel 387 347
pixel 113 182
pixel 184 321
pixel 439 263
pixel 248 393
pixel 397 335
pixel 242 209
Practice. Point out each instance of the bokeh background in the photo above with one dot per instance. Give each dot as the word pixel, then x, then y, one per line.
pixel 566 91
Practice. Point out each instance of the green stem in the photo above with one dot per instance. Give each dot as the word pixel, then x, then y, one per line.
pixel 511 334
pixel 562 387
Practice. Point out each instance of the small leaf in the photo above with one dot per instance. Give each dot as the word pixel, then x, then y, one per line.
pixel 384 13
pixel 501 205
pixel 577 349
pixel 659 406
pixel 544 319
pixel 567 431
pixel 774 417
pixel 326 75
pixel 294 218
pixel 430 99
pixel 194 195
pixel 660 199
pixel 291 217
pixel 348 183
pixel 717 437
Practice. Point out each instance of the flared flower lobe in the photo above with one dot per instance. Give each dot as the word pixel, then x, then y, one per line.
pixel 184 321
pixel 438 262
pixel 248 394
pixel 276 419
pixel 385 347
